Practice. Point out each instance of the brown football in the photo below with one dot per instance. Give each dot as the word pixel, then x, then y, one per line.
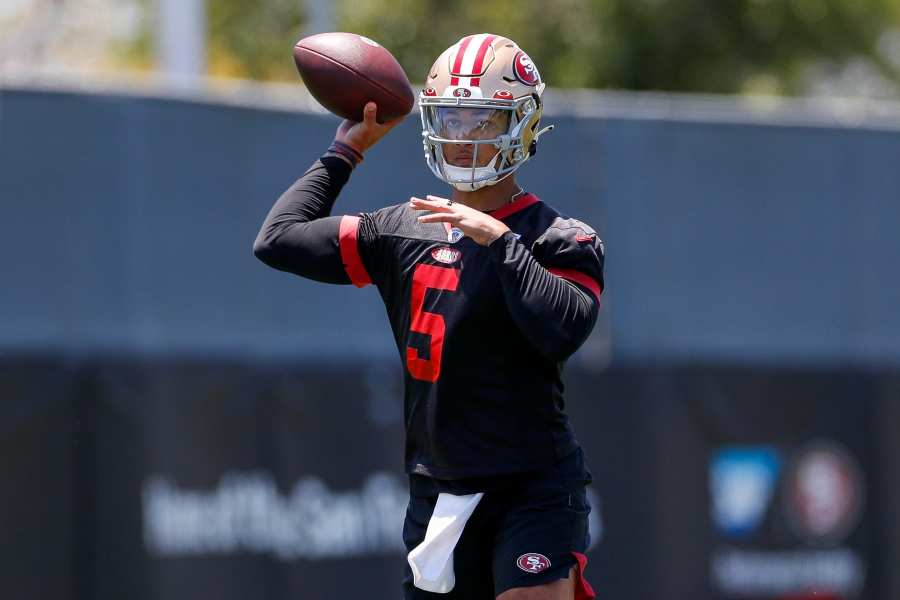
pixel 344 71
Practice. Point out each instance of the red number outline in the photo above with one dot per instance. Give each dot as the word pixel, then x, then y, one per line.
pixel 427 277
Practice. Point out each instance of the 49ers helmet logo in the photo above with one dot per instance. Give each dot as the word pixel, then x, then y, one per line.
pixel 461 92
pixel 532 562
pixel 525 70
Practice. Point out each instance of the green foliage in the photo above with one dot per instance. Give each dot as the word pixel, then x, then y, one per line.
pixel 254 39
pixel 417 31
pixel 676 45
pixel 720 46
pixel 244 39
pixel 728 46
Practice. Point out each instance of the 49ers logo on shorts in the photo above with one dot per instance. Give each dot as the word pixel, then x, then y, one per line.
pixel 532 562
pixel 525 70
pixel 446 255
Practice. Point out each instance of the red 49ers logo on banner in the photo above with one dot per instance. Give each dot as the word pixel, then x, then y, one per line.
pixel 525 70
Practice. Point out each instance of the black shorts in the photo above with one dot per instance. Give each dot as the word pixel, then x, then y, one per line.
pixel 529 529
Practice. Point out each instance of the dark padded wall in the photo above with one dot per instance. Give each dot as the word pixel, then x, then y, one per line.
pixel 165 399
pixel 171 479
pixel 128 222
pixel 760 242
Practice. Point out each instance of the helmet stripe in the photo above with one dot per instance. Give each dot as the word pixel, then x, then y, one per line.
pixel 468 62
pixel 457 63
pixel 479 59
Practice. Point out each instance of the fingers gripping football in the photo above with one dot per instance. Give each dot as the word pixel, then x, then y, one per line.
pixel 364 134
pixel 479 226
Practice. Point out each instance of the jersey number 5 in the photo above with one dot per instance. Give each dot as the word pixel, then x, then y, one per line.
pixel 437 278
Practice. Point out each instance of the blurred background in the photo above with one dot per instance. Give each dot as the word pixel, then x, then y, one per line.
pixel 165 434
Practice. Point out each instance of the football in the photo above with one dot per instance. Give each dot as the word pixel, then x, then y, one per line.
pixel 344 71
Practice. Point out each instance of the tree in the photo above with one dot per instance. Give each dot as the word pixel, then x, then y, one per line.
pixel 685 45
pixel 254 39
pixel 717 46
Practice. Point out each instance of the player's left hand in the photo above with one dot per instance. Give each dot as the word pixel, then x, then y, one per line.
pixel 479 226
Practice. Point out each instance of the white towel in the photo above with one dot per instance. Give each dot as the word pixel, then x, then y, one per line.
pixel 432 560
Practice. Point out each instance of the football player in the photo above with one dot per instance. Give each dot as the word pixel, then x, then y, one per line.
pixel 488 292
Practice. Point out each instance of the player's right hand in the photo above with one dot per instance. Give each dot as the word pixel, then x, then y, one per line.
pixel 363 135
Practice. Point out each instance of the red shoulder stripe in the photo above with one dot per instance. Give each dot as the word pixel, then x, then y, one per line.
pixel 579 277
pixel 350 251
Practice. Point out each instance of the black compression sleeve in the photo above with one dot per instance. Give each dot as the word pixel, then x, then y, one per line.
pixel 554 314
pixel 298 235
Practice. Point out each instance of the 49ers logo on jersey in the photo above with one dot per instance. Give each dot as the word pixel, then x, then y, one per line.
pixel 446 255
pixel 532 562
pixel 525 70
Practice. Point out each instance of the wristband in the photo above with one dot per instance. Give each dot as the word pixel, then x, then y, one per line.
pixel 347 151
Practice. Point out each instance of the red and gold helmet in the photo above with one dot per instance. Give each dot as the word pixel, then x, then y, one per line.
pixel 482 90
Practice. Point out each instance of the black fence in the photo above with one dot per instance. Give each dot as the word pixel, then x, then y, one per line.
pixel 152 479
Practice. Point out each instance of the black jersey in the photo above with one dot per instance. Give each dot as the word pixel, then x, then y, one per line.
pixel 482 331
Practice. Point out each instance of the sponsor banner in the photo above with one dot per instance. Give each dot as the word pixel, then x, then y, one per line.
pixel 246 513
pixel 788 492
pixel 236 481
pixel 152 479
pixel 784 531
pixel 218 480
